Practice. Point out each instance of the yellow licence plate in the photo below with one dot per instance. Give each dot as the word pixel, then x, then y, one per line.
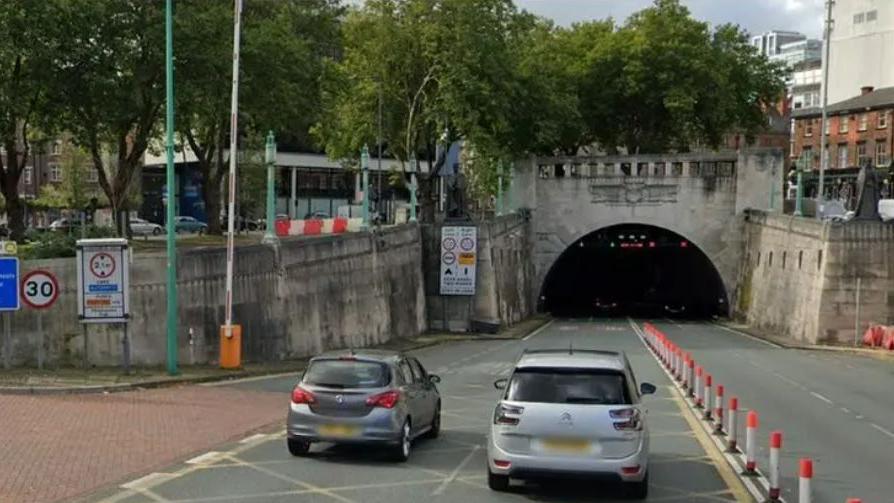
pixel 338 430
pixel 568 445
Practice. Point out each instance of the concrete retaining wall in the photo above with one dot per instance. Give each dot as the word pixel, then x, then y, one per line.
pixel 504 277
pixel 306 296
pixel 809 290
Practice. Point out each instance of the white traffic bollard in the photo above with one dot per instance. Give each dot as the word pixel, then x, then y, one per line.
pixel 690 377
pixel 751 443
pixel 699 374
pixel 775 447
pixel 718 410
pixel 732 434
pixel 805 493
pixel 707 396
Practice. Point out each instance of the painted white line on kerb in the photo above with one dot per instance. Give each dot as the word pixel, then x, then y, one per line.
pixel 821 397
pixel 254 438
pixel 541 329
pixel 736 466
pixel 228 382
pixel 204 458
pixel 739 332
pixel 883 430
pixel 147 481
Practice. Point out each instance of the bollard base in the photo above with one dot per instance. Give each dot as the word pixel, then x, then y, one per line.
pixel 231 347
pixel 746 473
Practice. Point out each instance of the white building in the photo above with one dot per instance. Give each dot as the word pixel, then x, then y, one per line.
pixel 862 50
pixel 770 44
pixel 795 53
pixel 805 85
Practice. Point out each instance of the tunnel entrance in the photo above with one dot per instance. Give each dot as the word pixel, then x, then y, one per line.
pixel 635 270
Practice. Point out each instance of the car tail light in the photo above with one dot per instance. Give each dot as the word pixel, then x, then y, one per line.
pixel 500 463
pixel 630 470
pixel 386 400
pixel 626 419
pixel 301 395
pixel 507 414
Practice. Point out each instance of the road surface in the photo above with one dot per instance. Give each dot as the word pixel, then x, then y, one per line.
pixel 452 467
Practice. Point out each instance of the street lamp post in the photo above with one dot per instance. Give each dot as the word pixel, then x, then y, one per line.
pixel 171 324
pixel 364 167
pixel 413 189
pixel 799 197
pixel 500 189
pixel 270 159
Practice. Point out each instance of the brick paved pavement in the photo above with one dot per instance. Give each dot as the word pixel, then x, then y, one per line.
pixel 57 447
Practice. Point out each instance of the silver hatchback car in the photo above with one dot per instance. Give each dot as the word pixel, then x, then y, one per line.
pixel 364 397
pixel 572 413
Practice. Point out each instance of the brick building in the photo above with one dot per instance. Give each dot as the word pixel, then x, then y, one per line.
pixel 859 130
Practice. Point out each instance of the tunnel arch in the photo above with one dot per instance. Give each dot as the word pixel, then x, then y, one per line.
pixel 634 269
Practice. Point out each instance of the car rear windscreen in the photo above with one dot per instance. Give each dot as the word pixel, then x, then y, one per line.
pixel 582 386
pixel 347 374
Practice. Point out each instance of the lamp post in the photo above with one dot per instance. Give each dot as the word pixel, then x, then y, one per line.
pixel 801 164
pixel 171 322
pixel 364 167
pixel 413 189
pixel 270 159
pixel 500 189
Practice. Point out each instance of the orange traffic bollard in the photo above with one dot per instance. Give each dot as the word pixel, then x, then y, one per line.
pixel 231 347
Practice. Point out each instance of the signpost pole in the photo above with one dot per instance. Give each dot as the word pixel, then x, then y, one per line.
pixel 86 355
pixel 169 176
pixel 364 167
pixel 40 341
pixel 7 341
pixel 500 189
pixel 125 343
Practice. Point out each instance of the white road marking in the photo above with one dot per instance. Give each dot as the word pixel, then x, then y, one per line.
pixel 257 437
pixel 228 382
pixel 147 481
pixel 440 489
pixel 845 410
pixel 883 430
pixel 204 458
pixel 788 380
pixel 674 323
pixel 821 397
pixel 535 332
pixel 737 332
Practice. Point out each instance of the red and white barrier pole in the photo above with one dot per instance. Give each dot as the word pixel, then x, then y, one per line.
pixel 718 410
pixel 732 434
pixel 775 447
pixel 677 364
pixel 751 443
pixel 805 493
pixel 854 500
pixel 690 377
pixel 707 395
pixel 699 376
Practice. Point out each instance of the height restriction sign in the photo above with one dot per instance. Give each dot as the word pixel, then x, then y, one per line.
pixel 103 280
pixel 459 249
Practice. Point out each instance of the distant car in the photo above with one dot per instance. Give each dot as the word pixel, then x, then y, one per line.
pixel 317 215
pixel 65 224
pixel 241 224
pixel 570 413
pixel 383 399
pixel 189 224
pixel 142 227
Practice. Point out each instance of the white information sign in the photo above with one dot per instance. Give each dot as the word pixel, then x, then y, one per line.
pixel 459 256
pixel 103 280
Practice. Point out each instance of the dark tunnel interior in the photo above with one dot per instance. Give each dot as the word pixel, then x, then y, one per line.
pixel 635 270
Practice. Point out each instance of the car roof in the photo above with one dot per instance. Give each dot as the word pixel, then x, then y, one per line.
pixel 382 355
pixel 572 358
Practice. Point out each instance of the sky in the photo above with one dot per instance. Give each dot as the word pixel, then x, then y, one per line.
pixel 756 16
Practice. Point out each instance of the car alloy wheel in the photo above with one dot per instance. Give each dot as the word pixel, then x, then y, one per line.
pixel 402 452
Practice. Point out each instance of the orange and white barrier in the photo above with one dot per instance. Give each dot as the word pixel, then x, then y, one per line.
pixel 317 227
pixel 706 395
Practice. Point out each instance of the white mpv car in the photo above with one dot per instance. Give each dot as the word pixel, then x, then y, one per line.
pixel 570 413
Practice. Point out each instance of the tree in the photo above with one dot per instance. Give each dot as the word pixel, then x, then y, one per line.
pixel 283 45
pixel 111 79
pixel 75 192
pixel 27 46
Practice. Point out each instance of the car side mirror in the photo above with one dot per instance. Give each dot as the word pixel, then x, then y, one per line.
pixel 434 379
pixel 647 389
pixel 501 383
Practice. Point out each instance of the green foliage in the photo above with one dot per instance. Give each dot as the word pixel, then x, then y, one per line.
pixel 51 244
pixel 75 192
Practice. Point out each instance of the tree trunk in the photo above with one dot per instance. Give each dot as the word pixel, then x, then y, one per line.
pixel 15 212
pixel 211 196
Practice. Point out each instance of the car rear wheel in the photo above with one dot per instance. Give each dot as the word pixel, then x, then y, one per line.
pixel 298 447
pixel 435 424
pixel 638 490
pixel 402 449
pixel 156 231
pixel 497 482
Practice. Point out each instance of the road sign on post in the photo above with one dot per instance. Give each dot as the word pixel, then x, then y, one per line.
pixel 40 289
pixel 459 257
pixel 104 287
pixel 9 301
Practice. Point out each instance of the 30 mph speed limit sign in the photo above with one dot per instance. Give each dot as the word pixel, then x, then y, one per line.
pixel 40 289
